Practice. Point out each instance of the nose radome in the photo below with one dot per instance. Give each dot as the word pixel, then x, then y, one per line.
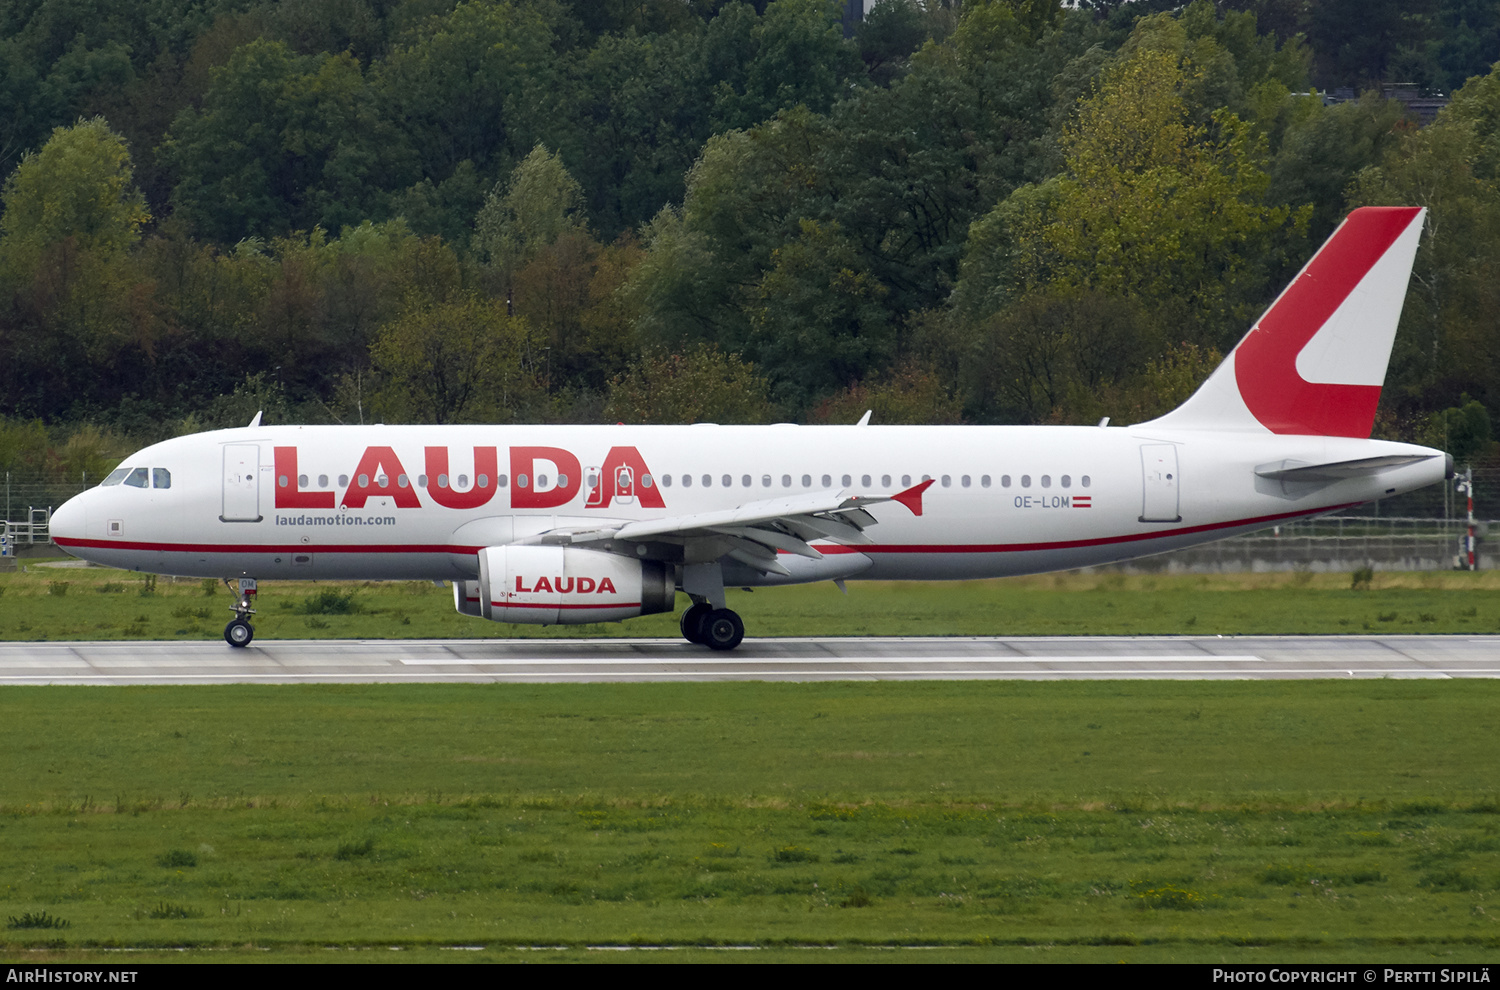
pixel 67 522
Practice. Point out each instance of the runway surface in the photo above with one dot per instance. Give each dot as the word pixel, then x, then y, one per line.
pixel 609 660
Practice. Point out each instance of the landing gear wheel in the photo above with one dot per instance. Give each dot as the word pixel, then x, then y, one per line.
pixel 722 630
pixel 692 621
pixel 238 633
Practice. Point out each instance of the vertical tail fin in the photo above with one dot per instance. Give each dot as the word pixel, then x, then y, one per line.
pixel 1315 362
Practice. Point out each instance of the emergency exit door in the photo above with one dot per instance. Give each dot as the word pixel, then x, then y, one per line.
pixel 1160 483
pixel 241 483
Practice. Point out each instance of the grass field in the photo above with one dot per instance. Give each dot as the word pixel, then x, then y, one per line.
pixel 1190 821
pixel 94 603
pixel 1259 820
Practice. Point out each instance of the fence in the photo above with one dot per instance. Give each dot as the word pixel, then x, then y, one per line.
pixel 1334 543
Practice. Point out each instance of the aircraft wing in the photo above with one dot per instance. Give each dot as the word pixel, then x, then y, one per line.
pixel 753 533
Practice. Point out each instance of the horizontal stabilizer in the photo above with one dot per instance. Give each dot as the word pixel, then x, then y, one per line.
pixel 1304 473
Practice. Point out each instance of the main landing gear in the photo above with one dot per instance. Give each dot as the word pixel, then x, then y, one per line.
pixel 715 628
pixel 239 632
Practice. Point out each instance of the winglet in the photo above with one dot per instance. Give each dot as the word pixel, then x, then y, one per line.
pixel 865 419
pixel 912 497
pixel 256 421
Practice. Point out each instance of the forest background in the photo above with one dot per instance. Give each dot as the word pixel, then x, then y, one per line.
pixel 1010 211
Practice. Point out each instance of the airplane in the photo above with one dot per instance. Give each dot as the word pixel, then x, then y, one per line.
pixel 577 524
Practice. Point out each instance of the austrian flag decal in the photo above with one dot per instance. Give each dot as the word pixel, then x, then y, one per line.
pixel 1083 501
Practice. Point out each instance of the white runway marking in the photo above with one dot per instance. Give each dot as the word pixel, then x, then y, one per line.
pixel 730 660
pixel 794 659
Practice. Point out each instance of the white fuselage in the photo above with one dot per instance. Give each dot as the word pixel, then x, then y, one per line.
pixel 1005 500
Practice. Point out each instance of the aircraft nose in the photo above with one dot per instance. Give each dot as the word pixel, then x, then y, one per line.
pixel 67 521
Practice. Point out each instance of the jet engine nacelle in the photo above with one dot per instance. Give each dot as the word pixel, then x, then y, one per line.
pixel 566 585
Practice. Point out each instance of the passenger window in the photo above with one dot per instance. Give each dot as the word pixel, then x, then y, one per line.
pixel 382 482
pixel 344 481
pixel 827 481
pixel 807 481
pixel 401 481
pixel 1025 481
pixel 115 477
pixel 848 481
pixel 1046 481
pixel 463 481
pixel 765 481
pixel 502 481
pixel 1084 481
pixel 521 481
pixel 137 478
pixel 442 481
pixel 364 481
pixel 786 481
pixel 1005 481
pixel 885 481
pixel 162 478
pixel 906 481
pixel 965 481
pixel 984 481
pixel 864 480
pixel 484 481
pixel 728 481
pixel 301 481
pixel 421 481
pixel 1067 482
pixel 947 481
pixel 323 481
pixel 645 481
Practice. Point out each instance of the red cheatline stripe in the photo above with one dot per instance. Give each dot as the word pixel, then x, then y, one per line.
pixel 548 605
pixel 1073 544
pixel 398 548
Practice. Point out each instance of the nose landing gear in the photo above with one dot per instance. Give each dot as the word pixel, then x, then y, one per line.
pixel 239 632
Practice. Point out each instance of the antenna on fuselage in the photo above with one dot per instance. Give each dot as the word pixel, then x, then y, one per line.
pixel 256 421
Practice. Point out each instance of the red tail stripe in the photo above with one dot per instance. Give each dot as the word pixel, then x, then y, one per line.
pixel 1265 363
pixel 554 605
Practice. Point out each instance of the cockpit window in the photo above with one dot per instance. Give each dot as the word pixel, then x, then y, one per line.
pixel 161 478
pixel 137 479
pixel 115 477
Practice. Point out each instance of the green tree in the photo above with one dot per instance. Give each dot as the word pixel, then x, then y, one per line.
pixel 699 385
pixel 283 142
pixel 1152 208
pixel 71 216
pixel 77 186
pixel 641 108
pixel 476 84
pixel 1464 430
pixel 818 320
pixel 462 361
pixel 796 55
pixel 1447 341
pixel 539 203
pixel 1322 151
pixel 888 35
pixel 909 394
